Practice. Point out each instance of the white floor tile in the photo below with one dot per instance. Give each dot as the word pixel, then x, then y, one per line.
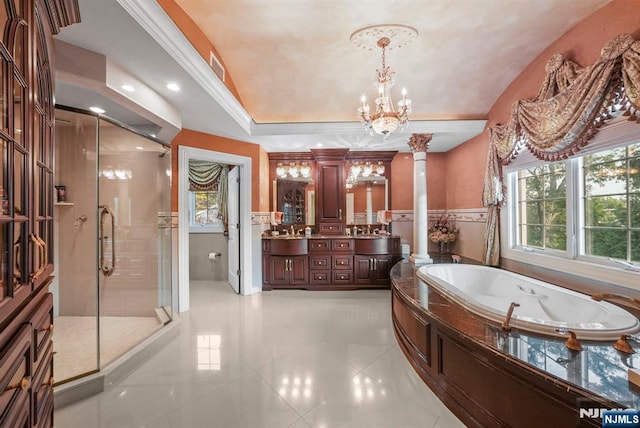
pixel 285 358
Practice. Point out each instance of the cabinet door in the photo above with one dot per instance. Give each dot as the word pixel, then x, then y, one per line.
pixel 330 203
pixel 298 270
pixel 278 270
pixel 381 268
pixel 363 269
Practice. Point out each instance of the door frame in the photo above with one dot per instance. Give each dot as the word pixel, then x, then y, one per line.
pixel 244 163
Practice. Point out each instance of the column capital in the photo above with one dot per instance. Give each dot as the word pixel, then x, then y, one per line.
pixel 420 142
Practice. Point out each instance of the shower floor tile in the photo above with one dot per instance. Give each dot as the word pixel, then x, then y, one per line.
pixel 74 341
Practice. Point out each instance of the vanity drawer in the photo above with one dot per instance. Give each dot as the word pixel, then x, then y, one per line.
pixel 330 228
pixel 320 262
pixel 343 277
pixel 319 245
pixel 342 245
pixel 342 262
pixel 320 277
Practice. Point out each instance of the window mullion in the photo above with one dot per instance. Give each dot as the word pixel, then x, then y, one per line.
pixel 574 207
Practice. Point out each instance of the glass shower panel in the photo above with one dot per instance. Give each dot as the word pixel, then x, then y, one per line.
pixel 75 287
pixel 133 192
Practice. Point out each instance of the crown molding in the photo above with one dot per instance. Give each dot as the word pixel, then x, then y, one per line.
pixel 356 128
pixel 161 28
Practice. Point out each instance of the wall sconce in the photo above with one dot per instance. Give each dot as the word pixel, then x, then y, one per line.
pixel 367 169
pixel 293 170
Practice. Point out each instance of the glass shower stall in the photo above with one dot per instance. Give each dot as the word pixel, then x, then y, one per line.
pixel 112 231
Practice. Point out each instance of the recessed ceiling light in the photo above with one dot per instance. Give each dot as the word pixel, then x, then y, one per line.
pixel 319 145
pixel 139 147
pixel 173 87
pixel 128 88
pixel 97 110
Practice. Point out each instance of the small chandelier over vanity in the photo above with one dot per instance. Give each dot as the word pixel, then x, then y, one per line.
pixel 386 118
pixel 293 170
pixel 363 170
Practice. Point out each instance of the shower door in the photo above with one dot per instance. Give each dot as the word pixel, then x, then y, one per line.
pixel 112 286
pixel 133 189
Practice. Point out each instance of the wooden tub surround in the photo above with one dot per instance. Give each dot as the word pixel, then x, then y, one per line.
pixel 329 262
pixel 489 377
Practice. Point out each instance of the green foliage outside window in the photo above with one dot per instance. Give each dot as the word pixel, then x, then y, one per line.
pixel 612 203
pixel 542 206
pixel 205 208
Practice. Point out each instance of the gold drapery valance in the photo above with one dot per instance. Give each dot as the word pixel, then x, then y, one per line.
pixel 204 175
pixel 562 118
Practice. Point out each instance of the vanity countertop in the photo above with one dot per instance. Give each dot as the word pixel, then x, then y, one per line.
pixel 316 236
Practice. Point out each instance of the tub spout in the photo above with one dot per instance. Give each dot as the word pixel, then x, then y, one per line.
pixel 572 342
pixel 507 320
pixel 611 296
pixel 623 345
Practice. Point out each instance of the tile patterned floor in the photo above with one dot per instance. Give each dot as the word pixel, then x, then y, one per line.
pixel 75 347
pixel 277 359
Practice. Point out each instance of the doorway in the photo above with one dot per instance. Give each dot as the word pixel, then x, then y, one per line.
pixel 244 259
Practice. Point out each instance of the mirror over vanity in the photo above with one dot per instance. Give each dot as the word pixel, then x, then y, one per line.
pixel 330 190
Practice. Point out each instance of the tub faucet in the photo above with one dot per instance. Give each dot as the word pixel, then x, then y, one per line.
pixel 623 345
pixel 507 320
pixel 611 296
pixel 572 342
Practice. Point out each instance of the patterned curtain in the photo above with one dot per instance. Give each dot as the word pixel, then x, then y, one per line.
pixel 204 175
pixel 563 117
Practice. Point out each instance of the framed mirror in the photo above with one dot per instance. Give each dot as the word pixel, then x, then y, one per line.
pixel 365 198
pixel 295 198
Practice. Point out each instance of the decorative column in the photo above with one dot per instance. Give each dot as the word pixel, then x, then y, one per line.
pixel 369 204
pixel 419 144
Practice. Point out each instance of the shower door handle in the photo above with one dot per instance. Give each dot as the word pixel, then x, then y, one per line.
pixel 105 269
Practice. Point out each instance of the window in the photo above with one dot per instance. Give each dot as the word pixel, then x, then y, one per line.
pixel 542 206
pixel 203 211
pixel 612 203
pixel 585 208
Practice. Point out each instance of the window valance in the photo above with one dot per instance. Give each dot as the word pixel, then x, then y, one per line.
pixel 204 175
pixel 571 105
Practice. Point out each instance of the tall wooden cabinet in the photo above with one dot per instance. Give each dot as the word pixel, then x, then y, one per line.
pixel 331 199
pixel 26 207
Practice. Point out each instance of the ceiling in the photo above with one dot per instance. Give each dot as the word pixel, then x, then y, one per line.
pixel 299 77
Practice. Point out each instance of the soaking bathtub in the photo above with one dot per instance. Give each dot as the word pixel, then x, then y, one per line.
pixel 543 308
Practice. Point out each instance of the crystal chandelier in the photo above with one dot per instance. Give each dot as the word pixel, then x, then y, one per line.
pixel 386 118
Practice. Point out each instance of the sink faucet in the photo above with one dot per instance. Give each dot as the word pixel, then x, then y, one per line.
pixel 507 320
pixel 293 232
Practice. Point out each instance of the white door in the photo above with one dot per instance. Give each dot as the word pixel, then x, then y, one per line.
pixel 233 220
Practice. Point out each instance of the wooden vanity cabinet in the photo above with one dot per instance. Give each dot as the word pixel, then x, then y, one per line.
pixel 288 270
pixel 329 263
pixel 375 259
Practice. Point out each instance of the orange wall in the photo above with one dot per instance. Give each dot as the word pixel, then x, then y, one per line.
pixel 200 140
pixel 402 181
pixel 196 37
pixel 582 44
